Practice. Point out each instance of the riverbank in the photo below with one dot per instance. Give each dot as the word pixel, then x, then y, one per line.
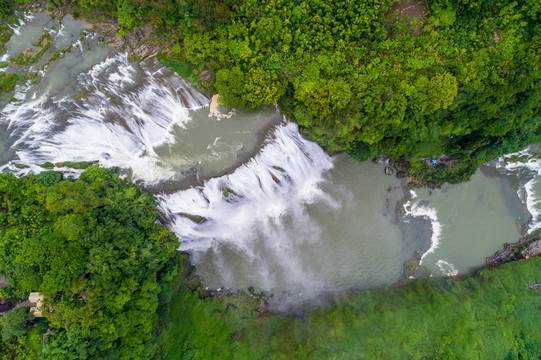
pixel 491 314
pixel 142 44
pixel 193 36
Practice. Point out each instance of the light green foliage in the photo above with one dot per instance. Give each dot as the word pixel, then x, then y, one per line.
pixel 129 15
pixel 437 93
pixel 261 87
pixel 491 315
pixel 8 82
pixel 92 247
pixel 197 329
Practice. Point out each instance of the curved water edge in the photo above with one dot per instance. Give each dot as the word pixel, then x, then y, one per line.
pixel 525 165
pixel 95 105
pixel 254 202
pixel 480 216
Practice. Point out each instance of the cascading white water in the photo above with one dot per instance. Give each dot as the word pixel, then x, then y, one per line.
pixel 260 210
pixel 529 190
pixel 125 115
pixel 92 105
pixel 120 125
pixel 421 210
pixel 285 222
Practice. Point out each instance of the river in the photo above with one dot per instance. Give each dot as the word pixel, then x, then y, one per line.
pixel 253 202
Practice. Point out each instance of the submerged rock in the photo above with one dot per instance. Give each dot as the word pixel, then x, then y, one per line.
pixel 274 178
pixel 195 218
pixel 388 170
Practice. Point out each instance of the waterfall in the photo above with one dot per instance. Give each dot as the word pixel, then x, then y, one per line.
pixel 528 168
pixel 258 214
pixel 123 113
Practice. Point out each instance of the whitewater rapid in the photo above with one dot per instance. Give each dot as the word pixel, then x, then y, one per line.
pixel 529 171
pixel 124 114
pixel 416 209
pixel 260 209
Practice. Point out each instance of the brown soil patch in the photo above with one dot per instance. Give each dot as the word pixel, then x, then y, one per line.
pixel 410 9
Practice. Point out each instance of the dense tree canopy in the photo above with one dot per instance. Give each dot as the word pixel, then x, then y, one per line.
pixel 462 78
pixel 92 247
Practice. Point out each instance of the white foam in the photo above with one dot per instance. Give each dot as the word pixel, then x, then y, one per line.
pixel 533 202
pixel 526 192
pixel 446 268
pixel 266 222
pixel 118 124
pixel 423 211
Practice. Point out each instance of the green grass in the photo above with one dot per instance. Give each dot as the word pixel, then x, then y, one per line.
pixel 8 82
pixel 47 165
pixel 490 315
pixel 35 335
pixel 75 165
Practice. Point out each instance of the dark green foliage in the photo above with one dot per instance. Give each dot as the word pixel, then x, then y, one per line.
pixel 13 323
pixel 5 8
pixel 184 69
pixel 92 247
pixel 209 13
pixel 48 177
pixel 361 152
pixel 360 77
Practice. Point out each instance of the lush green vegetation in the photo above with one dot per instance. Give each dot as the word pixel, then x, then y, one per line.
pixel 462 78
pixel 357 76
pixel 8 82
pixel 492 315
pixel 5 8
pixel 92 247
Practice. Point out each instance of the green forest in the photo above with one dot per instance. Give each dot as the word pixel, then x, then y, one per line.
pixel 92 247
pixel 458 79
pixel 453 80
pixel 116 288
